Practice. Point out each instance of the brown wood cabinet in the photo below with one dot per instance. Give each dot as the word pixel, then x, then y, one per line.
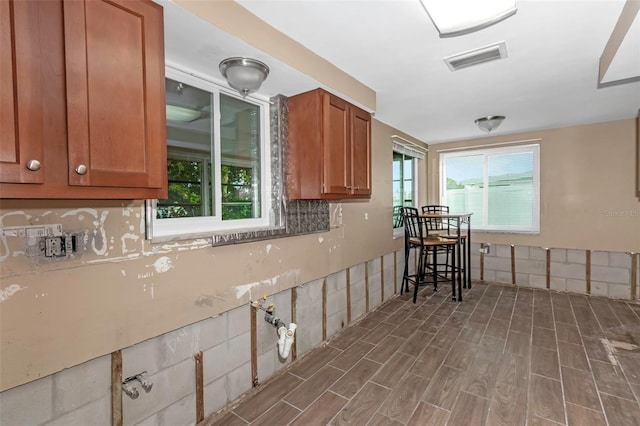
pixel 82 96
pixel 329 148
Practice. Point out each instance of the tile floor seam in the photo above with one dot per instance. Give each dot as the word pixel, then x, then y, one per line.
pixel 564 397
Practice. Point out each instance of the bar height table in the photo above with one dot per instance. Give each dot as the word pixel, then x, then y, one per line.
pixel 456 221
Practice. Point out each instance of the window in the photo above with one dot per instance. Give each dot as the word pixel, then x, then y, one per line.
pixel 404 193
pixel 500 186
pixel 218 161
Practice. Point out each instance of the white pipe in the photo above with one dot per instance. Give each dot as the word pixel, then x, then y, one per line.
pixel 285 340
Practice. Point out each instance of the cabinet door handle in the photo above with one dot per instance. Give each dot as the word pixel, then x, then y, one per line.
pixel 81 169
pixel 33 165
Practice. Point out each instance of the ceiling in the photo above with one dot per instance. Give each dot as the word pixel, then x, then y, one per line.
pixel 549 79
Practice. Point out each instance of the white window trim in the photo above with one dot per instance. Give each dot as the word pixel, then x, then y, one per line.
pixel 399 232
pixel 535 229
pixel 177 228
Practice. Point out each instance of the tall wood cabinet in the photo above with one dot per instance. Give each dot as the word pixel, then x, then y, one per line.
pixel 329 148
pixel 82 96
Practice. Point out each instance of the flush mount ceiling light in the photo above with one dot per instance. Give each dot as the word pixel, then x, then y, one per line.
pixel 490 122
pixel 184 115
pixel 244 74
pixel 457 17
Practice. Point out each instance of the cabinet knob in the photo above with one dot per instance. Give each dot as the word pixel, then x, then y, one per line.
pixel 81 169
pixel 33 165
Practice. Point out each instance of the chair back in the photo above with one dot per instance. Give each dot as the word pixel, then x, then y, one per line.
pixel 436 224
pixel 412 223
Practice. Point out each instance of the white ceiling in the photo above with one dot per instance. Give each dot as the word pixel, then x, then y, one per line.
pixel 548 80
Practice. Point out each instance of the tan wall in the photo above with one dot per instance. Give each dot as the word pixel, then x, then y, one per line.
pixel 120 289
pixel 586 187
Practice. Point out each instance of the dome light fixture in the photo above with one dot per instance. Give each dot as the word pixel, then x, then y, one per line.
pixel 490 122
pixel 244 74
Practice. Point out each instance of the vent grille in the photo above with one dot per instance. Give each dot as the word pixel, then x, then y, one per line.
pixel 478 56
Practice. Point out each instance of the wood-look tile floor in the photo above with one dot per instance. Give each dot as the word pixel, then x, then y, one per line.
pixel 504 356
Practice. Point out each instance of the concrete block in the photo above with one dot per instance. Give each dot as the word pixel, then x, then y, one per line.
pixel 373 266
pixel 502 250
pixel 336 302
pixel 240 349
pixel 282 303
pixel 620 291
pixel 475 273
pixel 558 255
pixel 475 260
pixel 169 386
pixel 497 264
pixel 214 362
pixel 558 284
pixel 536 267
pixel 577 256
pixel 503 277
pixel 238 321
pixel 388 260
pixel 337 282
pixel 610 274
pixel 153 420
pixel 94 378
pixel 95 413
pixel 489 275
pixel 178 345
pixel 309 336
pixel 28 404
pixel 475 247
pixel 599 288
pixel 568 270
pixel 357 291
pixel 522 252
pixel 143 356
pixel 576 286
pixel 375 299
pixel 335 323
pixel 538 281
pixel 537 253
pixel 522 279
pixel 358 309
pixel 239 381
pixel 182 413
pixel 600 258
pixel 356 273
pixel 389 282
pixel 215 396
pixel 213 331
pixel 620 260
pixel 267 364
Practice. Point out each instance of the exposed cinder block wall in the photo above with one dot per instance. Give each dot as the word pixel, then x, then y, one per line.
pixel 599 273
pixel 82 394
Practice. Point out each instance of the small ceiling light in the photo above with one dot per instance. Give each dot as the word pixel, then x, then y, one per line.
pixel 244 74
pixel 184 115
pixel 457 17
pixel 490 122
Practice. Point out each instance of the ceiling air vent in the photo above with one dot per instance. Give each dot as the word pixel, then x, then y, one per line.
pixel 473 57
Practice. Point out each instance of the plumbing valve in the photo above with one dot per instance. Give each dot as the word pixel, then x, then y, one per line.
pixel 144 381
pixel 130 391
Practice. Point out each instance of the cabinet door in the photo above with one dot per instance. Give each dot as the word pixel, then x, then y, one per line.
pixel 21 144
pixel 360 152
pixel 336 146
pixel 114 55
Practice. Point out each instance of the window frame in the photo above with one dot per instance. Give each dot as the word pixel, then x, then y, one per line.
pixel 487 152
pixel 399 232
pixel 192 227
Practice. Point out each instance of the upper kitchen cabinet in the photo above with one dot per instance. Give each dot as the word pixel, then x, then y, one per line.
pixel 329 148
pixel 85 115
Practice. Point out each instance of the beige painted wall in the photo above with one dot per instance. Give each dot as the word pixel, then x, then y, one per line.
pixel 120 289
pixel 587 178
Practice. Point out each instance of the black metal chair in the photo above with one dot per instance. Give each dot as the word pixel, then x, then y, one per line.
pixel 417 237
pixel 443 227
